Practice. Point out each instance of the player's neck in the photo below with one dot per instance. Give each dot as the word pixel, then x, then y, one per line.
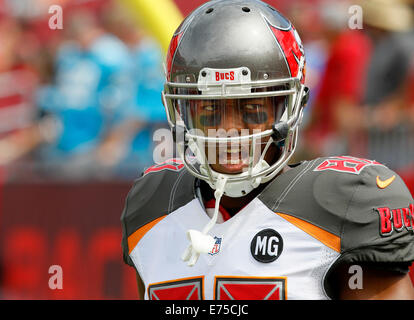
pixel 234 205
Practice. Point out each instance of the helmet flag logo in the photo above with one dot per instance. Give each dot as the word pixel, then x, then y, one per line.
pixel 291 46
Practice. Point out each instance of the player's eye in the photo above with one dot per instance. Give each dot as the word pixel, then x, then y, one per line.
pixel 210 107
pixel 251 107
pixel 210 115
pixel 253 114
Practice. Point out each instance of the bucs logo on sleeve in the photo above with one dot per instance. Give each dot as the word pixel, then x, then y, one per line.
pixel 395 220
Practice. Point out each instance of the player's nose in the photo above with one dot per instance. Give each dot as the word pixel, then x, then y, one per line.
pixel 233 120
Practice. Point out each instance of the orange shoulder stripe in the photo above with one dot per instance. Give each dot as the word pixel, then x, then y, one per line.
pixel 134 238
pixel 329 239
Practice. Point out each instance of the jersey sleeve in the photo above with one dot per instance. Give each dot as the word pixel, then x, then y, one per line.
pixel 162 189
pixel 378 226
pixel 377 223
pixel 124 242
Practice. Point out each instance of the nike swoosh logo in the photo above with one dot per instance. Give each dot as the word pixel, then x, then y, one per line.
pixel 383 184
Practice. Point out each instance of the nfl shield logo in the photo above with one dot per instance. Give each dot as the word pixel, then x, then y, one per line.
pixel 216 247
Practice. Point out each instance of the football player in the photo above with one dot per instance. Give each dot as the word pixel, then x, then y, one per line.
pixel 231 219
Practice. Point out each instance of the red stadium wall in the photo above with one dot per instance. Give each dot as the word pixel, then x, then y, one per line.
pixel 74 226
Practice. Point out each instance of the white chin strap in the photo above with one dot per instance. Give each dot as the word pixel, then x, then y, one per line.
pixel 240 188
pixel 201 242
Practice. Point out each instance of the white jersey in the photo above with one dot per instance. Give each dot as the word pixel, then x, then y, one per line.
pixel 272 249
pixel 300 260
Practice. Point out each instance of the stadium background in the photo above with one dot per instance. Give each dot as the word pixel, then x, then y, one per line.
pixel 79 105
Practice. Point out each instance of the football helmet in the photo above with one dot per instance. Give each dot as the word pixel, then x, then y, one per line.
pixel 228 59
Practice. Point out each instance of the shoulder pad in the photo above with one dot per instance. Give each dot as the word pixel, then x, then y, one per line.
pixel 162 189
pixel 360 201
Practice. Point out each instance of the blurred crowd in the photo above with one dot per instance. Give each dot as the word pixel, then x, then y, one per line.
pixel 78 102
pixel 361 75
pixel 83 102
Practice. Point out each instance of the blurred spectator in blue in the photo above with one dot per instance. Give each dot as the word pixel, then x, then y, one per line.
pixel 99 113
pixel 150 82
pixel 92 92
pixel 134 135
pixel 148 113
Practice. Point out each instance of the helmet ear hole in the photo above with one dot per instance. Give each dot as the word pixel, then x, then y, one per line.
pixel 280 131
pixel 246 9
pixel 305 97
pixel 209 10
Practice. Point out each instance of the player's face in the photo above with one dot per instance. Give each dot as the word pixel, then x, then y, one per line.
pixel 236 118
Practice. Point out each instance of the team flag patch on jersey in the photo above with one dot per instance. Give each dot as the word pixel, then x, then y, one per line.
pixel 250 288
pixel 171 164
pixel 346 164
pixel 216 247
pixel 180 289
